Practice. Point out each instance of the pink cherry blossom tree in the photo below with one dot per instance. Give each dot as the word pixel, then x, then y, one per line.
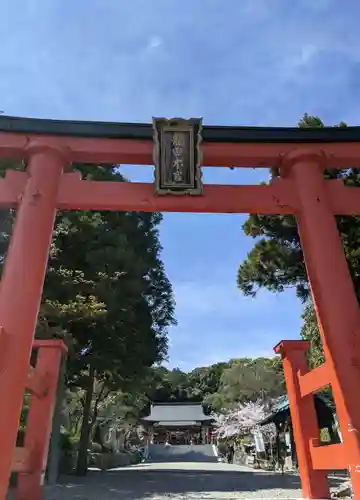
pixel 242 420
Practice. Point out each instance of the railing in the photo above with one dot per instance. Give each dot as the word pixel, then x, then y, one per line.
pixel 314 459
pixel 29 461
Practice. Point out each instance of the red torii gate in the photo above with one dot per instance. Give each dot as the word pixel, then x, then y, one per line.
pixel 49 147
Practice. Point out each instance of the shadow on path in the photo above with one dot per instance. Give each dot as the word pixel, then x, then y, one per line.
pixel 160 483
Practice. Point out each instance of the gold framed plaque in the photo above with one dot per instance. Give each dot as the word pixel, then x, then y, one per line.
pixel 177 156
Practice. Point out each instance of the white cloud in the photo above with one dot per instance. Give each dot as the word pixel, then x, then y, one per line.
pixel 216 323
pixel 307 53
pixel 195 348
pixel 317 5
pixel 298 59
pixel 222 298
pixel 154 43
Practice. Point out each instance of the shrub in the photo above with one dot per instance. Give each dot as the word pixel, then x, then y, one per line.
pixel 96 448
pixel 68 442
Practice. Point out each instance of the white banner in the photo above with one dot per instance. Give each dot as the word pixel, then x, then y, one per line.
pixel 259 442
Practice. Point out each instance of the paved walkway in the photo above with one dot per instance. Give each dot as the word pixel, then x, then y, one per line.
pixel 185 481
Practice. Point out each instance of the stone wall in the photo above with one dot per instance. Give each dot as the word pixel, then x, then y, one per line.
pixel 106 461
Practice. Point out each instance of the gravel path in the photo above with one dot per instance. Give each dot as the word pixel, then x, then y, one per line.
pixel 186 481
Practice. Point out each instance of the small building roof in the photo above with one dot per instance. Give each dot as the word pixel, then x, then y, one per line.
pixel 177 412
pixel 281 410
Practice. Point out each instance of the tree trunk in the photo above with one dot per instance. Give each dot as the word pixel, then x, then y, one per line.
pixel 81 466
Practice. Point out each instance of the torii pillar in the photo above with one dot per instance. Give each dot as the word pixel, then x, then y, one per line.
pixel 21 289
pixel 333 293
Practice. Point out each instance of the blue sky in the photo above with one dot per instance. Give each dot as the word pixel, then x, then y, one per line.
pixel 236 62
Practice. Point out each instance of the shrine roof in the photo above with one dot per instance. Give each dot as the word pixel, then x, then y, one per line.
pixel 176 412
pixel 210 133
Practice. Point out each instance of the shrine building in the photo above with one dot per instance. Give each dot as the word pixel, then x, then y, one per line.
pixel 178 424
